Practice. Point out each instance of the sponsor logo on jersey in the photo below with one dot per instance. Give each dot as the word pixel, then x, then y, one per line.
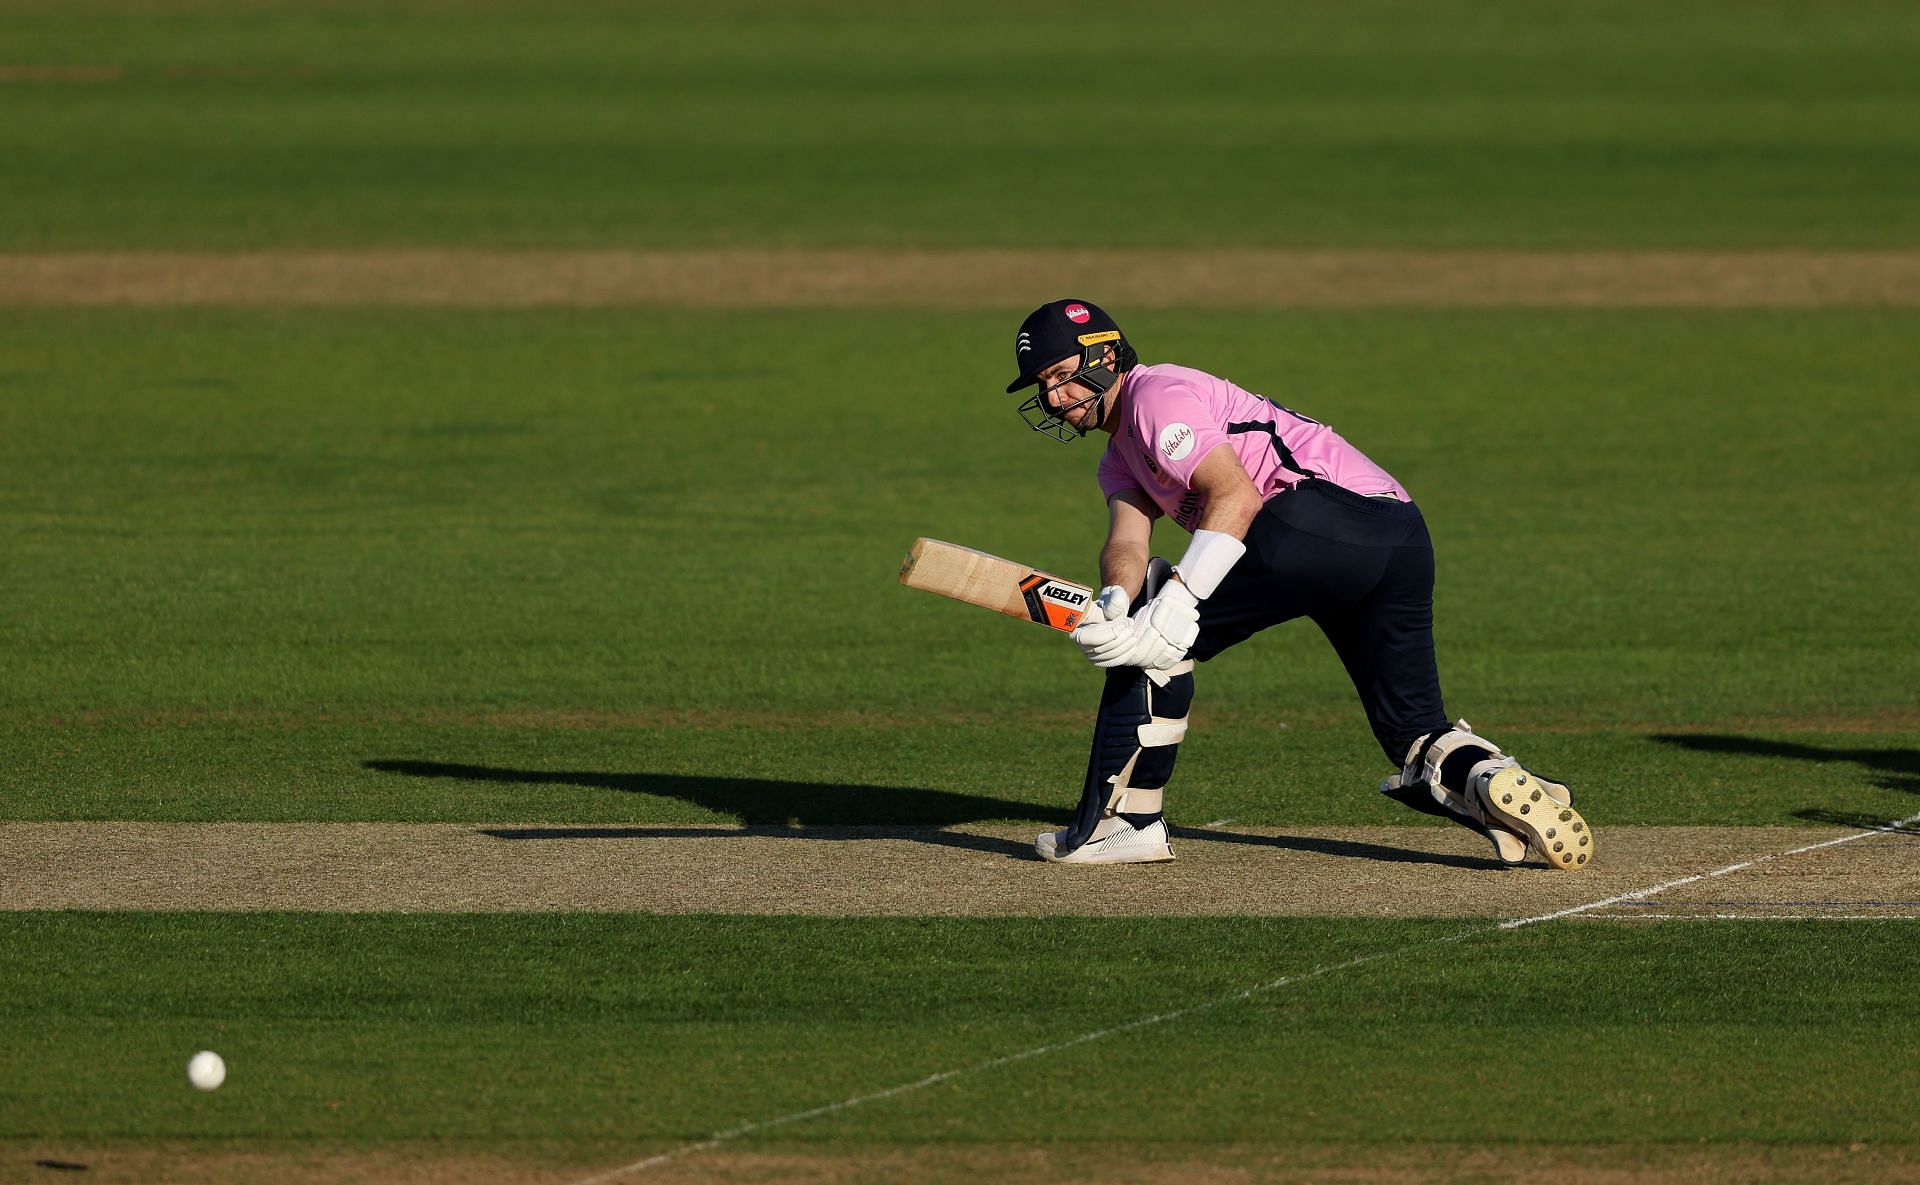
pixel 1176 441
pixel 1077 313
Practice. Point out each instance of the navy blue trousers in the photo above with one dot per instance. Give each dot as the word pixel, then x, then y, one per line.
pixel 1362 570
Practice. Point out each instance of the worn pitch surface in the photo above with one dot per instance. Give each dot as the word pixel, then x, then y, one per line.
pixel 906 871
pixel 1015 1164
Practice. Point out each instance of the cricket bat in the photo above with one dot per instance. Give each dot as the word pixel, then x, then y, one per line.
pixel 1000 585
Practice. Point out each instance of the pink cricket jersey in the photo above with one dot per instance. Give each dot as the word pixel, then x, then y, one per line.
pixel 1172 416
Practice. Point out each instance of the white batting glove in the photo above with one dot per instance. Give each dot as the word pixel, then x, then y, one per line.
pixel 1106 632
pixel 1163 630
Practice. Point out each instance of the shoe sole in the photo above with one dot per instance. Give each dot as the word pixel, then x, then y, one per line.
pixel 1519 802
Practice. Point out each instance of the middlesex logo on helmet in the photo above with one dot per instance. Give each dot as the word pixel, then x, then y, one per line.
pixel 1077 313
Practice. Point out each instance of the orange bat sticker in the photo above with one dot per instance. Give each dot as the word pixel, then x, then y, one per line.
pixel 1052 602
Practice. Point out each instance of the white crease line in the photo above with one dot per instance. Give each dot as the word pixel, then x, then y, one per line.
pixel 1643 894
pixel 747 1129
pixel 1039 1051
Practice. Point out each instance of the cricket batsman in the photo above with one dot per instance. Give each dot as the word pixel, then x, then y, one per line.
pixel 1288 520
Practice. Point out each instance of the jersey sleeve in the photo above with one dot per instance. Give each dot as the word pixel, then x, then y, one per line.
pixel 1180 428
pixel 1113 475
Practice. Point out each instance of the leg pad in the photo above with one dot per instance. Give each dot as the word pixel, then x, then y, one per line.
pixel 1143 717
pixel 1470 777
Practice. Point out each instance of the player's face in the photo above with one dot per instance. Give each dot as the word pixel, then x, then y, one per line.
pixel 1072 402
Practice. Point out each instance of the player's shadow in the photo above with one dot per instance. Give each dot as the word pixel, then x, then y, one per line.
pixel 764 807
pixel 822 810
pixel 1350 848
pixel 1897 769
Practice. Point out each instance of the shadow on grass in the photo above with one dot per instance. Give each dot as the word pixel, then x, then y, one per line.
pixel 1900 768
pixel 764 807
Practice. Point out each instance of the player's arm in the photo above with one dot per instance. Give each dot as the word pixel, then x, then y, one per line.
pixel 1106 630
pixel 1230 499
pixel 1166 627
pixel 1123 560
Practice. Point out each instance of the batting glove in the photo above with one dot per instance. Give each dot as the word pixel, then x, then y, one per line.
pixel 1106 631
pixel 1163 630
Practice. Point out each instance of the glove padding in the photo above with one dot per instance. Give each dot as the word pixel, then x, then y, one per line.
pixel 1106 631
pixel 1164 629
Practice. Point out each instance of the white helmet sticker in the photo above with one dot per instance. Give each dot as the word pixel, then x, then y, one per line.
pixel 1176 441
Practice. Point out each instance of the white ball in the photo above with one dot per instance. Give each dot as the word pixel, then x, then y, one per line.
pixel 206 1071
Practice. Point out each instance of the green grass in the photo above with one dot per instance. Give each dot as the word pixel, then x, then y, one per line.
pixel 638 566
pixel 1456 123
pixel 647 560
pixel 657 1031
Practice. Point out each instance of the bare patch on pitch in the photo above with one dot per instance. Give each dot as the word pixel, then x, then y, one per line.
pixel 962 279
pixel 1145 1163
pixel 236 1163
pixel 1871 878
pixel 971 870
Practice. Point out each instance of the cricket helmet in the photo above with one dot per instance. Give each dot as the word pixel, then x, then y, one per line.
pixel 1061 329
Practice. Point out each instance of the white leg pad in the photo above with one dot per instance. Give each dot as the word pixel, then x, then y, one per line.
pixel 1509 846
pixel 1437 754
pixel 1161 733
pixel 1160 678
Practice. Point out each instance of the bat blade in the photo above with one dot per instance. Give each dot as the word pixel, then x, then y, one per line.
pixel 935 566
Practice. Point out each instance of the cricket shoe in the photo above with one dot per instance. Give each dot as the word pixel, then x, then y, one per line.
pixel 1509 846
pixel 1116 841
pixel 1537 808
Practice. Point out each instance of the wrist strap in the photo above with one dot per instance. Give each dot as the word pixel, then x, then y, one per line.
pixel 1209 558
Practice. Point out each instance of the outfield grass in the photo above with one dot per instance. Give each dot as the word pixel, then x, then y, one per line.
pixel 637 566
pixel 1465 122
pixel 251 553
pixel 658 1031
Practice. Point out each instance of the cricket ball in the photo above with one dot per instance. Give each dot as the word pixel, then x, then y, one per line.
pixel 206 1071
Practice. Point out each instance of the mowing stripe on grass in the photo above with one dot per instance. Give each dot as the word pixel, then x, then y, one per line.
pixel 731 1135
pixel 972 279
